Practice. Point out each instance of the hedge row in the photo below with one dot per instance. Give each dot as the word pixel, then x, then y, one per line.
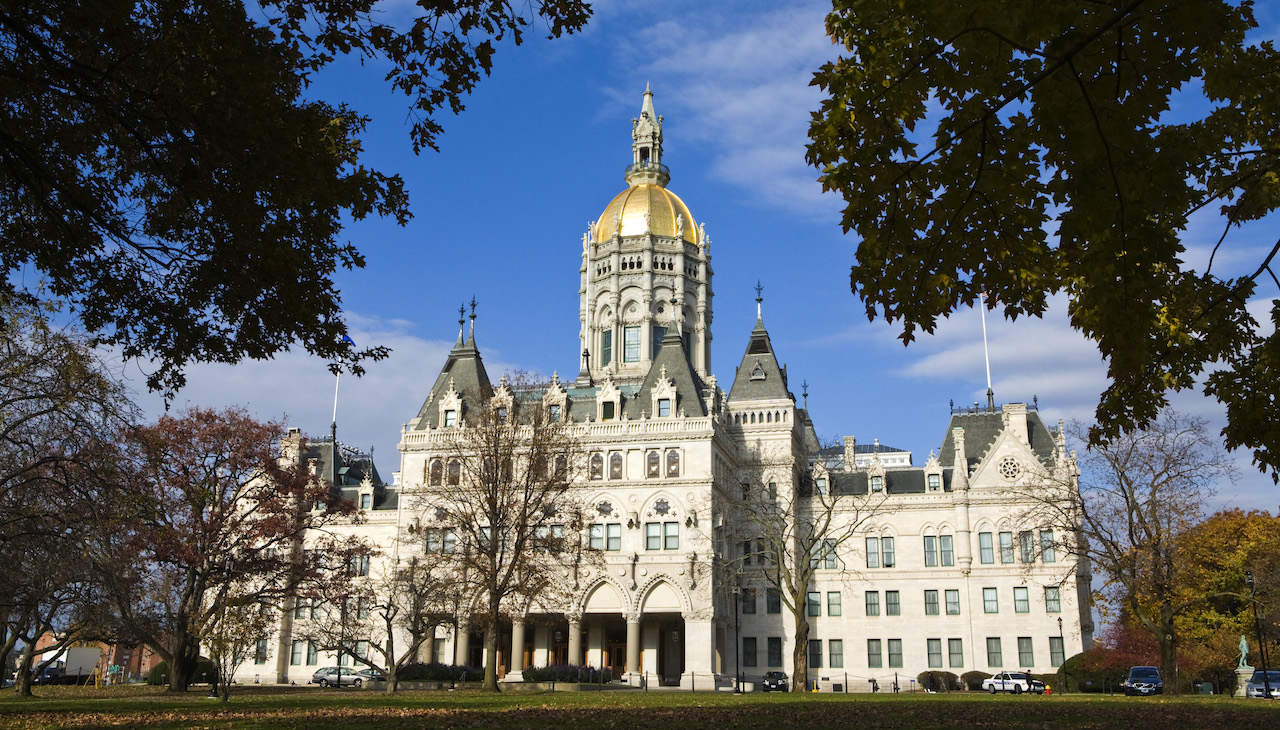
pixel 437 672
pixel 569 673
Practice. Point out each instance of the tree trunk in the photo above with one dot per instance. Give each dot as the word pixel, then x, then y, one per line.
pixel 22 683
pixel 491 656
pixel 1169 653
pixel 186 658
pixel 800 652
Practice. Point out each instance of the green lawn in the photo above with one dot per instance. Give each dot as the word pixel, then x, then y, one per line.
pixel 277 709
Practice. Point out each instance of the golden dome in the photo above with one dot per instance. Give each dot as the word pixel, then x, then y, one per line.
pixel 630 206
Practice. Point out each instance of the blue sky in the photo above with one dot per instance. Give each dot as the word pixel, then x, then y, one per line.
pixel 499 214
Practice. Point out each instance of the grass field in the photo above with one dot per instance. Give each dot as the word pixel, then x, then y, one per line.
pixel 280 708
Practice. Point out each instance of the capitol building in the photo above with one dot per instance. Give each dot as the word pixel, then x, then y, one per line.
pixel 912 561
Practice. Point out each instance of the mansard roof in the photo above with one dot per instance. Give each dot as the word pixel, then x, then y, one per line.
pixel 346 468
pixel 981 428
pixel 759 377
pixel 909 480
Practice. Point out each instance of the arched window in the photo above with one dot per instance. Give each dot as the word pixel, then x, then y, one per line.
pixel 597 466
pixel 673 463
pixel 615 465
pixel 436 473
pixel 652 465
pixel 455 472
pixel 562 467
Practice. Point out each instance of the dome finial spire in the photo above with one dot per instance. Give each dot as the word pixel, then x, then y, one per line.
pixel 646 146
pixel 759 299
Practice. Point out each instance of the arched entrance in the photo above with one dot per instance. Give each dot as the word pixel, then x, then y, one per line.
pixel 663 633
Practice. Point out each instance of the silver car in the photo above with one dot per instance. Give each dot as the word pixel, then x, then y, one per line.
pixel 1257 688
pixel 336 677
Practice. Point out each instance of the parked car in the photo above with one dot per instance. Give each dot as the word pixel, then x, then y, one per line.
pixel 1143 681
pixel 1015 682
pixel 371 675
pixel 336 677
pixel 1256 687
pixel 774 682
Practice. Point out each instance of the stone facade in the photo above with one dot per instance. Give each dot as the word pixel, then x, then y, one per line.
pixel 947 568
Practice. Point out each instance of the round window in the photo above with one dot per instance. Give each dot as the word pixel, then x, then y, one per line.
pixel 1009 468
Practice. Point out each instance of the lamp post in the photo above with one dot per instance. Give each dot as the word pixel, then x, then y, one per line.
pixel 1257 631
pixel 1062 646
pixel 737 640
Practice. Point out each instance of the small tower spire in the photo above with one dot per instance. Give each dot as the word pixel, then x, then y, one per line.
pixel 804 391
pixel 759 299
pixel 646 146
pixel 462 318
pixel 472 337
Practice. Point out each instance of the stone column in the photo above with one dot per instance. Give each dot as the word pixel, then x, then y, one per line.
pixel 633 648
pixel 542 646
pixel 516 671
pixel 575 640
pixel 462 644
pixel 596 646
pixel 699 652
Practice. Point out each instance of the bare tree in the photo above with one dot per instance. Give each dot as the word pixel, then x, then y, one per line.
pixel 508 507
pixel 59 410
pixel 406 598
pixel 232 634
pixel 1136 497
pixel 785 534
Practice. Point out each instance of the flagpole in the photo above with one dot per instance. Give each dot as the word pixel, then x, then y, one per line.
pixel 986 354
pixel 337 378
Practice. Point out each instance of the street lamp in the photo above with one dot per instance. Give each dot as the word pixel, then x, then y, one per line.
pixel 1257 631
pixel 1062 647
pixel 737 640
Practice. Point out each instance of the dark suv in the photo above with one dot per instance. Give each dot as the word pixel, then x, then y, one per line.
pixel 774 682
pixel 1143 681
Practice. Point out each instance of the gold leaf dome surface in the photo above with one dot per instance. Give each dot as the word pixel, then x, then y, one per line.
pixel 630 206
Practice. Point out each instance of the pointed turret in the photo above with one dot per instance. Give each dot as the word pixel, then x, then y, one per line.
pixel 463 381
pixel 759 376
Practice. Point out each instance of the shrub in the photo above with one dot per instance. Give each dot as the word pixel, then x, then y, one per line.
pixel 938 681
pixel 973 680
pixel 437 672
pixel 1082 679
pixel 569 673
pixel 206 671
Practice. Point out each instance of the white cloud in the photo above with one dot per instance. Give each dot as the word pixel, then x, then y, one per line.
pixel 740 87
pixel 299 388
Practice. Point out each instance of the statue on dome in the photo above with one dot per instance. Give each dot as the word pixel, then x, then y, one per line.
pixel 680 225
pixel 648 222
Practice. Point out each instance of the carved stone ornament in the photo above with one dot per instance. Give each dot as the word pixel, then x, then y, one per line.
pixel 1009 468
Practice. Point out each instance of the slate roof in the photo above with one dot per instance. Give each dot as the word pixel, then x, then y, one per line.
pixel 352 466
pixel 910 480
pixel 674 361
pixel 465 368
pixel 981 430
pixel 759 377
